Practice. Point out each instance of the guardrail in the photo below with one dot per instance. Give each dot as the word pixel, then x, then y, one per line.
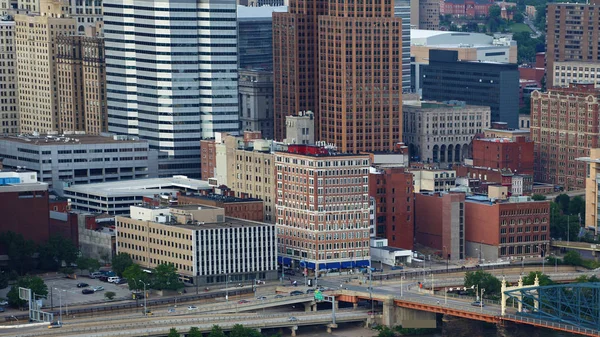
pixel 551 325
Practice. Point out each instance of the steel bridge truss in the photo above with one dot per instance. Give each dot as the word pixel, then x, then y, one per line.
pixel 576 304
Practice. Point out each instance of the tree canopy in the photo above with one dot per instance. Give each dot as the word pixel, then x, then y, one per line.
pixel 195 332
pixel 544 280
pixel 484 280
pixel 216 331
pixel 173 333
pixel 134 274
pixel 35 283
pixel 20 251
pixel 165 278
pixel 120 262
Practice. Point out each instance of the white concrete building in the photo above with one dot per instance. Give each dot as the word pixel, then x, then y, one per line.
pixel 79 159
pixel 568 72
pixel 381 253
pixel 116 197
pixel 433 180
pixel 172 75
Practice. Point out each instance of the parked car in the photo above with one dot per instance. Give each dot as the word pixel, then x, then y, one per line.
pixel 171 310
pixel 87 291
pixel 103 278
pixel 54 325
pixel 122 281
pixel 243 301
pixel 296 293
pixel 292 319
pixel 310 291
pixel 95 274
pixel 4 302
pixel 478 304
pixel 279 296
pixel 82 285
pixel 98 288
pixel 397 267
pixel 113 279
pixel 2 309
pixel 192 307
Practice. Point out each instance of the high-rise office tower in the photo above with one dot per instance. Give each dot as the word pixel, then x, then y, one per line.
pixel 86 12
pixel 402 11
pixel 81 76
pixel 171 70
pixel 36 37
pixel 9 118
pixel 572 33
pixel 342 61
pixel 425 14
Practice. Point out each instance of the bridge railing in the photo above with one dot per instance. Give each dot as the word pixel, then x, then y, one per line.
pixel 551 324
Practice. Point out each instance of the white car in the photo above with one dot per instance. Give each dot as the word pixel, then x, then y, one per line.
pixel 192 307
pixel 3 302
pixel 98 288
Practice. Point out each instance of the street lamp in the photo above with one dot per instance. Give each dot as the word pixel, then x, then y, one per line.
pixel 227 286
pixel 371 289
pixel 555 262
pixel 59 303
pixel 145 299
pixel 481 301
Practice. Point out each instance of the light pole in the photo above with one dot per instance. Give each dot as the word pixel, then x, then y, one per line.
pixel 227 285
pixel 145 299
pixel 401 278
pixel 555 262
pixel 543 258
pixel 371 289
pixel 481 301
pixel 60 304
pixel 445 296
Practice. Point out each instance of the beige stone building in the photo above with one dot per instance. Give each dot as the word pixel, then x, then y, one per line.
pixel 300 129
pixel 425 14
pixel 81 77
pixel 247 167
pixel 203 244
pixel 36 43
pixel 592 190
pixel 9 119
pixel 441 132
pixel 567 72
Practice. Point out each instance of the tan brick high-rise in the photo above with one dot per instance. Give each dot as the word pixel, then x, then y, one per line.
pixel 35 37
pixel 346 68
pixel 573 32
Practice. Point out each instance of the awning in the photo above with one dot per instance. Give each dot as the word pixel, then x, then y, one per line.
pixel 347 264
pixel 333 265
pixel 287 261
pixel 322 266
pixel 362 263
pixel 310 265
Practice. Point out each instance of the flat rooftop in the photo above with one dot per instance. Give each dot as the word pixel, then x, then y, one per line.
pixel 219 197
pixel 70 139
pixel 141 187
pixel 262 12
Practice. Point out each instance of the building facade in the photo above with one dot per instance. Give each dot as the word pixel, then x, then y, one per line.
pixel 170 103
pixel 208 158
pixel 466 8
pixel 503 153
pixel 572 33
pixel 566 72
pixel 9 114
pixel 430 180
pixel 81 76
pixel 322 208
pixel 592 188
pixel 425 14
pixel 564 126
pixel 402 10
pixel 79 159
pixel 442 132
pixel 256 101
pixel 477 83
pixel 392 191
pixel 300 128
pixel 509 229
pixel 204 245
pixel 37 83
pixel 444 229
pixel 247 209
pixel 255 36
pixel 361 113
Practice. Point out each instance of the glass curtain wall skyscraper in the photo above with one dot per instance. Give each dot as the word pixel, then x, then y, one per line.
pixel 171 71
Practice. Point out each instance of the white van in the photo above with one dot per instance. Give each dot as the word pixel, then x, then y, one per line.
pixel 95 274
pixel 113 279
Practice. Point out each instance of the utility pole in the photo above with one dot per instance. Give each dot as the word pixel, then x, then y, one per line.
pixel 145 299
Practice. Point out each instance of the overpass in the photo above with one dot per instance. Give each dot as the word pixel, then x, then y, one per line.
pixel 594 248
pixel 256 304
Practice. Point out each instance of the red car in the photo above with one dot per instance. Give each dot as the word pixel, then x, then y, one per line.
pixel 243 301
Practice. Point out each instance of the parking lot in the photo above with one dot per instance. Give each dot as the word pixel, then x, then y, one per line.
pixel 66 290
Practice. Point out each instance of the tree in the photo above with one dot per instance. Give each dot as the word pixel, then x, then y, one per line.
pixel 35 283
pixel 573 258
pixel 385 331
pixel 563 201
pixel 56 251
pixel 134 274
pixel 484 280
pixel 239 330
pixel 110 295
pixel 542 278
pixel 538 197
pixel 577 206
pixel 194 332
pixel 494 11
pixel 165 277
pixel 173 333
pixel 20 251
pixel 86 263
pixel 216 331
pixel 120 262
pixel 518 17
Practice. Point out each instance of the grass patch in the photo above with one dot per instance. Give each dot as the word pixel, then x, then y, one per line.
pixel 520 27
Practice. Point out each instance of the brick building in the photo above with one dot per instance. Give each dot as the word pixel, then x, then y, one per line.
pixel 322 208
pixel 506 229
pixel 465 8
pixel 242 208
pixel 391 188
pixel 480 178
pixel 564 126
pixel 503 153
pixel 208 158
pixel 440 222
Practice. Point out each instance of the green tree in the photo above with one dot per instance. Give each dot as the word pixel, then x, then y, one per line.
pixel 239 330
pixel 484 280
pixel 173 333
pixel 110 295
pixel 120 262
pixel 216 331
pixel 544 280
pixel 538 197
pixel 563 201
pixel 86 263
pixel 56 251
pixel 165 277
pixel 20 251
pixel 4 278
pixel 577 206
pixel 134 274
pixel 573 258
pixel 35 283
pixel 385 331
pixel 518 17
pixel 194 332
pixel 494 11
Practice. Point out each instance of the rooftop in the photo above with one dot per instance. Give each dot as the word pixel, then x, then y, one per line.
pixel 496 140
pixel 249 13
pixel 229 222
pixel 72 139
pixel 141 187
